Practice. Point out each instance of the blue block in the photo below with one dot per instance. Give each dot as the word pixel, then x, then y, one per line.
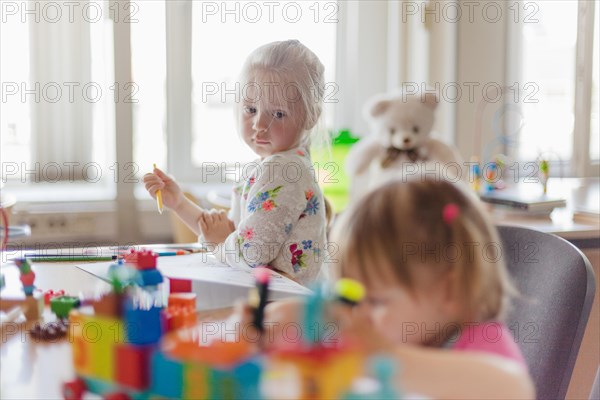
pixel 167 376
pixel 248 376
pixel 143 326
pixel 148 277
pixel 241 382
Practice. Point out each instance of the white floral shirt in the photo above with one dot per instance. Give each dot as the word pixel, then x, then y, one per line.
pixel 279 213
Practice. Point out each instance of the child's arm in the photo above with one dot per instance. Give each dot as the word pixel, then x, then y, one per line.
pixel 432 372
pixel 447 374
pixel 173 198
pixel 440 373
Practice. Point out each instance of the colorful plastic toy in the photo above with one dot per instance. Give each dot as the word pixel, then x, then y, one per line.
pixel 136 346
pixel 544 173
pixel 50 294
pixel 62 305
pixel 31 299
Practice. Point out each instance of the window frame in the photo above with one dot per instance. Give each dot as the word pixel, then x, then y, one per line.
pixel 580 165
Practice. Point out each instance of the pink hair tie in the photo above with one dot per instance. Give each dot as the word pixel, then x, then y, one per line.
pixel 450 212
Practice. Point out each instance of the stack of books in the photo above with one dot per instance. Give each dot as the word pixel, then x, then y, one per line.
pixel 522 201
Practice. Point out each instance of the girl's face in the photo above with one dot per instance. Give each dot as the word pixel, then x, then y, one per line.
pixel 426 316
pixel 270 125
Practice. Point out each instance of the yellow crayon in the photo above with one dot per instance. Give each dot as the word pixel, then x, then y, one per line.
pixel 159 202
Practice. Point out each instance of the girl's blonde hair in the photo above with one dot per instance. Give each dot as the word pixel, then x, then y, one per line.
pixel 400 228
pixel 299 78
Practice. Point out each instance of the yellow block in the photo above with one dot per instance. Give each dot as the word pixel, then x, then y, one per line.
pixel 327 378
pixel 195 381
pixel 94 343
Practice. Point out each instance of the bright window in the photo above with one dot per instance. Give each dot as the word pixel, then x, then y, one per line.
pixel 594 135
pixel 223 34
pixel 549 41
pixel 148 64
pixel 15 128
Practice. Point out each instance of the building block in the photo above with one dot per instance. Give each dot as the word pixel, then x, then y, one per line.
pixel 109 305
pixel 94 341
pixel 133 365
pixel 240 382
pixel 183 300
pixel 180 285
pixel 178 317
pixel 74 390
pixel 195 381
pixel 167 376
pixel 50 294
pixel 324 372
pixel 62 305
pixel 148 277
pixel 111 333
pixel 143 259
pixel 143 326
pixel 82 349
pixel 248 375
pixel 223 385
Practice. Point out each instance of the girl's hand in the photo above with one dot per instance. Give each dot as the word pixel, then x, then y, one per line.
pixel 215 226
pixel 172 196
pixel 278 316
pixel 356 327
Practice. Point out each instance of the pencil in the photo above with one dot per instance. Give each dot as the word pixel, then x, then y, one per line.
pixel 159 202
pixel 62 258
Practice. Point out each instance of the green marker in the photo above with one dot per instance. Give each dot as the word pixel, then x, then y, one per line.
pixel 66 258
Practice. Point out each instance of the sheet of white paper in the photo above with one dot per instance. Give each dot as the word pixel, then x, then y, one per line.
pixel 216 284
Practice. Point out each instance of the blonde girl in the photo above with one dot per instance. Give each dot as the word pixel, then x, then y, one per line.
pixel 277 218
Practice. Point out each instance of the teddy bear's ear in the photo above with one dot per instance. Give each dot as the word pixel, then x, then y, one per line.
pixel 376 106
pixel 430 100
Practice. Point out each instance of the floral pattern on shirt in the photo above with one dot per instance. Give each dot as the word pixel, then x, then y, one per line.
pixel 312 204
pixel 283 221
pixel 243 240
pixel 264 200
pixel 298 257
pixel 246 187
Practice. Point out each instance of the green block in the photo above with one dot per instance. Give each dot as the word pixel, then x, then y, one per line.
pixel 62 305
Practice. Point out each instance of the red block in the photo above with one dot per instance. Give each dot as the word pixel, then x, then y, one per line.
pixel 146 259
pixel 133 365
pixel 143 259
pixel 180 285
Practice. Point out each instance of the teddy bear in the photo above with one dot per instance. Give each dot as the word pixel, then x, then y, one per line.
pixel 400 144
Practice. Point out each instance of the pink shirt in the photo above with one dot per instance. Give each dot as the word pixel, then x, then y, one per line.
pixel 490 337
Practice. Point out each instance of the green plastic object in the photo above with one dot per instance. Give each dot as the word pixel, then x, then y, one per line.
pixel 62 305
pixel 329 167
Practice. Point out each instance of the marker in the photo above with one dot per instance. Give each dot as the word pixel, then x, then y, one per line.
pixel 63 258
pixel 258 297
pixel 159 202
pixel 349 291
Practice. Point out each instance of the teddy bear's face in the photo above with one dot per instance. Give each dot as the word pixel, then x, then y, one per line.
pixel 403 124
